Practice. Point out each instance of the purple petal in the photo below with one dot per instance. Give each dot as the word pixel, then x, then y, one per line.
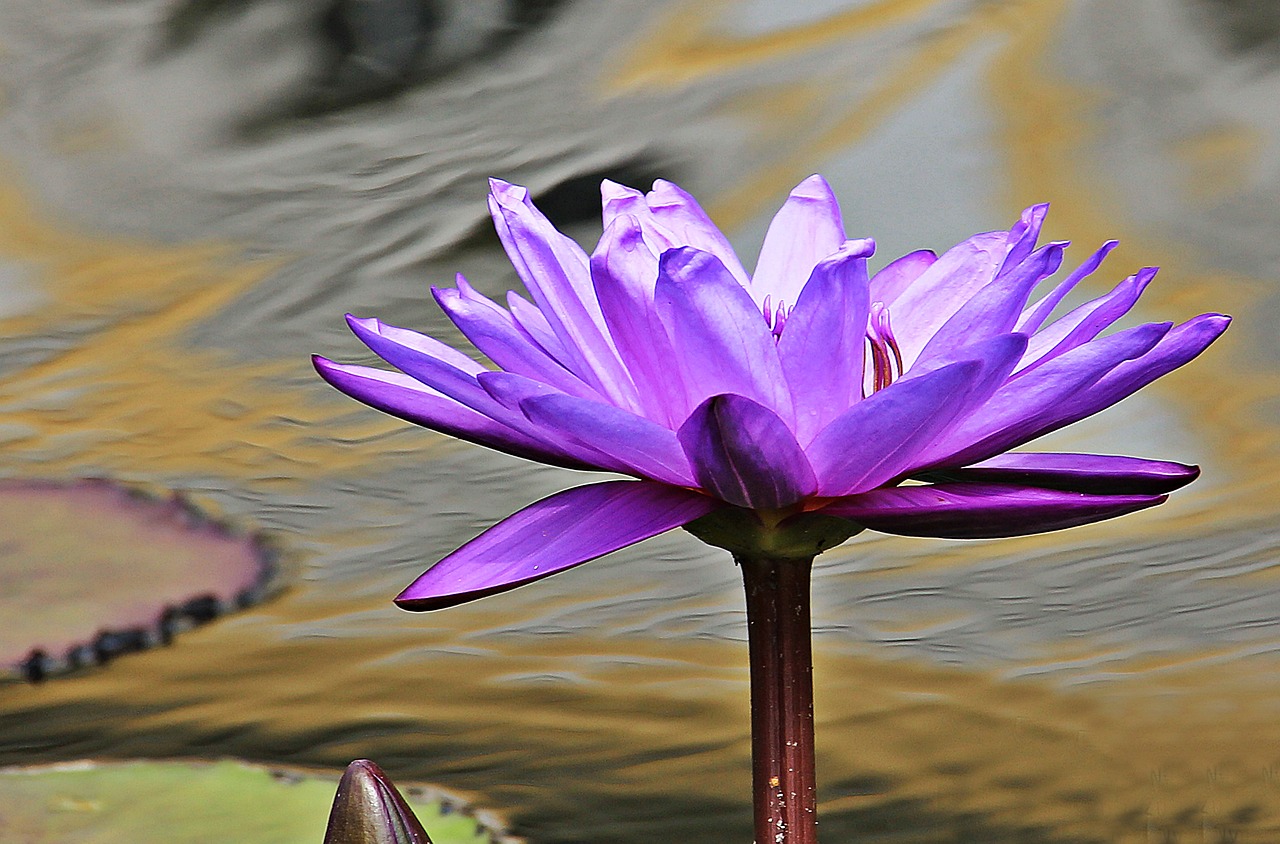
pixel 554 534
pixel 671 218
pixel 1102 474
pixel 1023 236
pixel 408 399
pixel 994 309
pixel 744 454
pixel 1177 347
pixel 555 271
pixel 1085 322
pixel 1040 311
pixel 722 342
pixel 822 346
pixel 943 288
pixel 625 272
pixel 888 284
pixel 884 436
pixel 648 449
pixel 680 213
pixel 510 392
pixel 1028 405
pixel 981 511
pixel 534 326
pixel 490 329
pixel 805 230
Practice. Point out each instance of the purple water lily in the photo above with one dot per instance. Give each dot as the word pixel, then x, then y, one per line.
pixel 774 414
pixel 804 388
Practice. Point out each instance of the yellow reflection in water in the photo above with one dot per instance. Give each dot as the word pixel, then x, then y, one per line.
pixel 685 46
pixel 1160 749
pixel 129 394
pixel 1047 125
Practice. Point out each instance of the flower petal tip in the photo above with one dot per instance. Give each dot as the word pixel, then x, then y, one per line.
pixel 861 247
pixel 367 808
pixel 814 187
pixel 323 365
pixel 363 325
pixel 507 194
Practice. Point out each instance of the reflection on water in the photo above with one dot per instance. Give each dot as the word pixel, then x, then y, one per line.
pixel 177 232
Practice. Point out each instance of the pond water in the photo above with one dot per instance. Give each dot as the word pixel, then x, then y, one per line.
pixel 193 193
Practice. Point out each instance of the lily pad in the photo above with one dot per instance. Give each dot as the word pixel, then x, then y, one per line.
pixel 188 802
pixel 90 570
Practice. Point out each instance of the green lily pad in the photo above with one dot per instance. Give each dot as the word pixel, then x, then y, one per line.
pixel 196 803
pixel 90 570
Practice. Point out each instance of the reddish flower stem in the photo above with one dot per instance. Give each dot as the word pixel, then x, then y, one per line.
pixel 783 782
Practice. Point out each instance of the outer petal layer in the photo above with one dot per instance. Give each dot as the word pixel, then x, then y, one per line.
pixel 743 453
pixel 651 450
pixel 885 435
pixel 554 534
pixel 402 396
pixel 1102 474
pixel 981 511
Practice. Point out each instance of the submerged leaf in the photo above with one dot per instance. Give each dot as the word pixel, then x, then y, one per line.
pixel 93 570
pixel 171 802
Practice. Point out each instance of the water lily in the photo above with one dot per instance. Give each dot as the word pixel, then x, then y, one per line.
pixel 775 413
pixel 805 389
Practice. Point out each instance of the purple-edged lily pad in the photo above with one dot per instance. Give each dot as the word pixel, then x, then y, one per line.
pixel 90 570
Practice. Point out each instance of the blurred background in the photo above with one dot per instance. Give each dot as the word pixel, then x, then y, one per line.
pixel 193 192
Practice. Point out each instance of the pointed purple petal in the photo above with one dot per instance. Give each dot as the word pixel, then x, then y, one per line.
pixel 555 271
pixel 491 329
pixel 411 344
pixel 1040 311
pixel 1085 322
pixel 465 388
pixel 510 392
pixel 884 436
pixel 722 342
pixel 943 288
pixel 744 454
pixel 625 273
pixel 1177 347
pixel 1029 405
pixel 408 399
pixel 681 213
pixel 888 284
pixel 807 229
pixel 822 346
pixel 409 354
pixel 993 310
pixel 1101 474
pixel 981 511
pixel 669 218
pixel 648 449
pixel 1023 236
pixel 534 326
pixel 554 534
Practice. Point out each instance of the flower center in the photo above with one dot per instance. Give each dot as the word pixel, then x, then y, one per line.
pixel 886 357
pixel 776 319
pixel 884 364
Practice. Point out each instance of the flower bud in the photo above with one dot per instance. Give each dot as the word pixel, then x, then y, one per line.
pixel 368 810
